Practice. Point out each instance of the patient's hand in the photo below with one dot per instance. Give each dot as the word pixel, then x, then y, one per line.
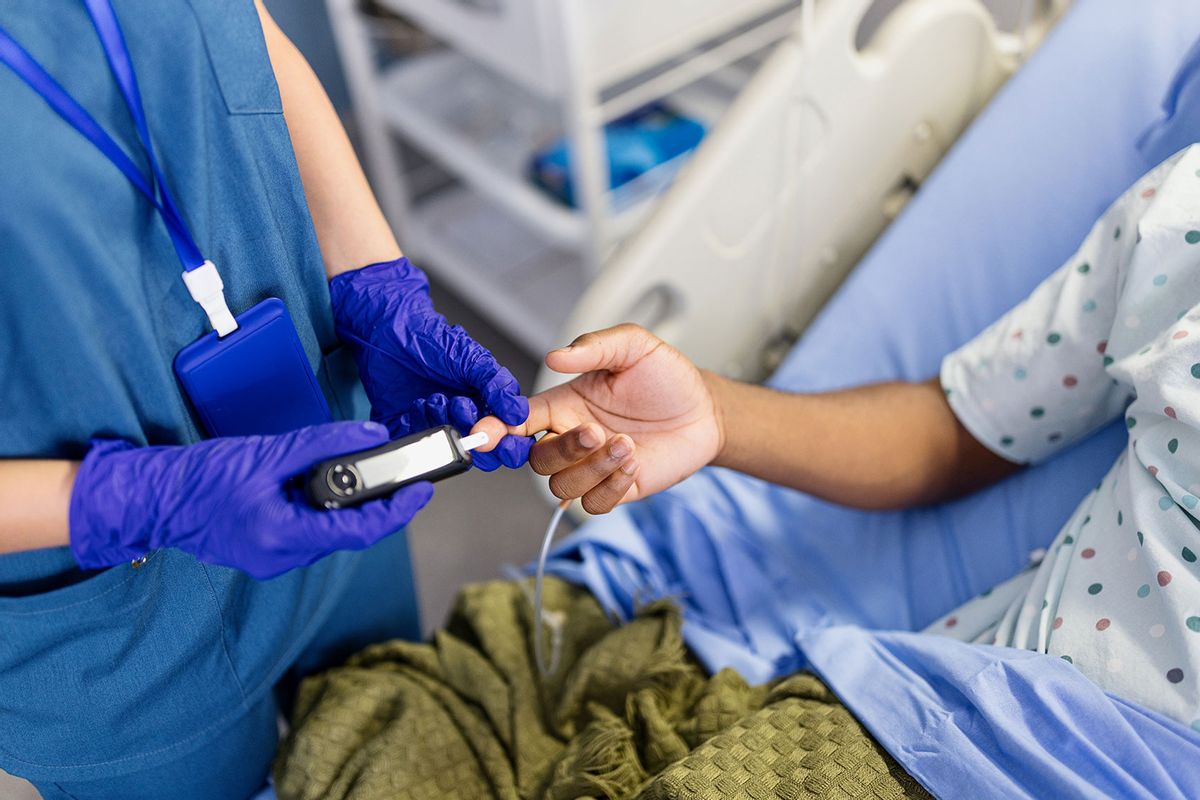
pixel 640 418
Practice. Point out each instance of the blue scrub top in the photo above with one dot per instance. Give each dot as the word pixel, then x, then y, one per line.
pixel 91 301
pixel 92 312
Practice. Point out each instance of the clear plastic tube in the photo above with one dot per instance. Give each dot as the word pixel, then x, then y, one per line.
pixel 542 620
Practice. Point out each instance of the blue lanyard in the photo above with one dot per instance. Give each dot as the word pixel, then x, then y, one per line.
pixel 28 69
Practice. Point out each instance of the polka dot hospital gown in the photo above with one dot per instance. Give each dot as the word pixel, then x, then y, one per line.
pixel 1115 331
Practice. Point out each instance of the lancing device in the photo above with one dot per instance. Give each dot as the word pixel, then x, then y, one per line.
pixel 369 474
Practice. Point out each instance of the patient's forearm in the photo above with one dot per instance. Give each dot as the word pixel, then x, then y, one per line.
pixel 882 446
pixel 34 500
pixel 351 229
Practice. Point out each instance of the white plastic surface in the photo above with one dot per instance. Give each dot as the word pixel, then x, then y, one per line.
pixel 206 288
pixel 817 155
pixel 613 38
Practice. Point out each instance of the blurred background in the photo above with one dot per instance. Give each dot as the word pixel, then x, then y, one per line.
pixel 523 148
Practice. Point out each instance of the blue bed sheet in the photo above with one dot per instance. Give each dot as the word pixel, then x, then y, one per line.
pixel 773 581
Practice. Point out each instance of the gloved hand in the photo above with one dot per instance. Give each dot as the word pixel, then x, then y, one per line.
pixel 226 501
pixel 406 351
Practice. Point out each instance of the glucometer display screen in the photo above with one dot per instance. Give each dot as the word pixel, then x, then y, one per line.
pixel 408 462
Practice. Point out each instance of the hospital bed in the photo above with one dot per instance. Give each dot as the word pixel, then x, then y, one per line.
pixel 765 574
pixel 772 581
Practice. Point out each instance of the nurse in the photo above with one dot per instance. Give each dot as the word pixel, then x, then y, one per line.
pixel 140 654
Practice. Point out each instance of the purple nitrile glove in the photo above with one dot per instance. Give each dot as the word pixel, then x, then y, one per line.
pixel 227 501
pixel 406 351
pixel 513 451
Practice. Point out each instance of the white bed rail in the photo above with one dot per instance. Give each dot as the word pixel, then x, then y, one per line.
pixel 815 158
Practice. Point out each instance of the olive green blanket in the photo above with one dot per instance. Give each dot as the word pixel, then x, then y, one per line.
pixel 627 714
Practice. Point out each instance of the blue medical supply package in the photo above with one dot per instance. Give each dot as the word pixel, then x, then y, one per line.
pixel 256 380
pixel 636 144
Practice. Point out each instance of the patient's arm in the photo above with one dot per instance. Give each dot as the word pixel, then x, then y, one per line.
pixel 882 446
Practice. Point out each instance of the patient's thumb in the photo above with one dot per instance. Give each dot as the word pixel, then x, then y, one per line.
pixel 614 349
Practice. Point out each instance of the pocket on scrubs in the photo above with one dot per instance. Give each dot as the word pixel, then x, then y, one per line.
pixel 118 672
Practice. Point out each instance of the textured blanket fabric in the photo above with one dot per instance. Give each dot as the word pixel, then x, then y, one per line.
pixel 627 714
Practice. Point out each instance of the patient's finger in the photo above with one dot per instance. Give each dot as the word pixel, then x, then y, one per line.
pixel 463 416
pixel 612 490
pixel 555 453
pixel 579 479
pixel 537 421
pixel 494 428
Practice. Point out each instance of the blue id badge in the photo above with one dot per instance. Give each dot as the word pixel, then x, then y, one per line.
pixel 255 380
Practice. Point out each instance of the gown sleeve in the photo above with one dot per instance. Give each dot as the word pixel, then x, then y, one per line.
pixel 1038 379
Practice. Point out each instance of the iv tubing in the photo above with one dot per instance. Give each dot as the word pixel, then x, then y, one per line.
pixel 539 653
